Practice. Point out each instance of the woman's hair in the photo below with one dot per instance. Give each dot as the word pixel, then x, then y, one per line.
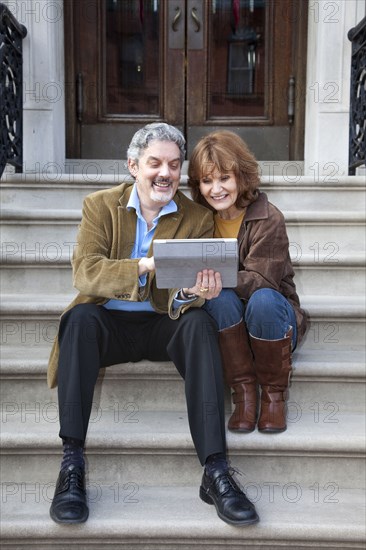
pixel 159 131
pixel 226 152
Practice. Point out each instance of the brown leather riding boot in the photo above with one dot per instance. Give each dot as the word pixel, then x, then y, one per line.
pixel 273 368
pixel 237 359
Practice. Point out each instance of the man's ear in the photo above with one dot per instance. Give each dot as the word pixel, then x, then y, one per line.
pixel 133 167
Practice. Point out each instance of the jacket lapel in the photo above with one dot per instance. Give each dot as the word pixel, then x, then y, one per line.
pixel 126 224
pixel 257 210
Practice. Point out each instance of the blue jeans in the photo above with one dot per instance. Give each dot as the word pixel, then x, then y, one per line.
pixel 267 314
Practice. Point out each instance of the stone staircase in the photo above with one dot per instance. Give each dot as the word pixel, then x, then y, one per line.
pixel 143 476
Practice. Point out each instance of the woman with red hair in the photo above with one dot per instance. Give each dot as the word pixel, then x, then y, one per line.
pixel 260 321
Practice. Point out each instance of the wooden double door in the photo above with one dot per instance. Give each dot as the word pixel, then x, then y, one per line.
pixel 197 64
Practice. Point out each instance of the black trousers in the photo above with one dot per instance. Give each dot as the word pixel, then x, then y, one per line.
pixel 92 337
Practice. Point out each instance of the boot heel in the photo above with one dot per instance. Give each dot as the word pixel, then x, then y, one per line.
pixel 204 496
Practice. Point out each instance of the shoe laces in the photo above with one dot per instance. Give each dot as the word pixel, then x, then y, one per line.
pixel 75 478
pixel 230 482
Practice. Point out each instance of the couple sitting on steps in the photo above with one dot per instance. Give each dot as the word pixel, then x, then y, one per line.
pixel 246 334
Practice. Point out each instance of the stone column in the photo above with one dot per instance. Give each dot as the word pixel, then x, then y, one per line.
pixel 328 85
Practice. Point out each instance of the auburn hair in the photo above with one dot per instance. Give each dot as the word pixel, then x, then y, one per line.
pixel 224 151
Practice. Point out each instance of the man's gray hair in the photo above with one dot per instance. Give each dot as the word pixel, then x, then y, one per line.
pixel 159 131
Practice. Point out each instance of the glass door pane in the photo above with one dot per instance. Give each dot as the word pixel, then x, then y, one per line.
pixel 132 62
pixel 238 58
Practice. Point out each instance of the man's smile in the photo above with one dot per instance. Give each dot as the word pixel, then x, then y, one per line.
pixel 162 184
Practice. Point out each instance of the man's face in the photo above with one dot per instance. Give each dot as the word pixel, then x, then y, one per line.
pixel 157 173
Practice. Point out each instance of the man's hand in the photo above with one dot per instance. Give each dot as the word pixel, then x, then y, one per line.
pixel 208 285
pixel 146 265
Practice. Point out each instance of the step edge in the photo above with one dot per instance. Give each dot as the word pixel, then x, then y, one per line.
pixel 56 179
pixel 209 530
pixel 353 259
pixel 274 534
pixel 350 306
pixel 302 371
pixel 15 439
pixel 20 216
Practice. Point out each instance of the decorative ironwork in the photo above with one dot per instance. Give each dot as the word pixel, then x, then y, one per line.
pixel 357 132
pixel 11 90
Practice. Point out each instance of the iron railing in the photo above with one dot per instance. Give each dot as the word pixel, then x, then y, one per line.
pixel 357 120
pixel 11 90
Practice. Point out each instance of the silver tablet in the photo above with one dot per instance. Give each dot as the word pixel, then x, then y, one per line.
pixel 177 261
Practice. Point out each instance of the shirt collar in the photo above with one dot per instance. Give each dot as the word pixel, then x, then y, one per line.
pixel 134 202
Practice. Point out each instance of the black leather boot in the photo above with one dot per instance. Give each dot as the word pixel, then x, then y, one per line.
pixel 231 503
pixel 69 502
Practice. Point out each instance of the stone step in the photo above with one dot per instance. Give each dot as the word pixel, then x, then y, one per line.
pixel 326 384
pixel 87 169
pixel 313 278
pixel 51 235
pixel 157 445
pixel 335 322
pixel 108 166
pixel 151 518
pixel 143 475
pixel 286 192
pixel 68 216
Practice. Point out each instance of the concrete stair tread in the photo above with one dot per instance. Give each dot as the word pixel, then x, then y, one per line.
pixel 307 363
pixel 64 215
pixel 54 303
pixel 307 260
pixel 311 276
pixel 149 453
pixel 70 180
pixel 127 429
pixel 165 516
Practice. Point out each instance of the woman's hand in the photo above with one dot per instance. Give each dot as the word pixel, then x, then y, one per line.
pixel 208 285
pixel 146 265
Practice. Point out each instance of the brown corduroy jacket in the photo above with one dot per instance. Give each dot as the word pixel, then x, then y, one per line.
pixel 102 268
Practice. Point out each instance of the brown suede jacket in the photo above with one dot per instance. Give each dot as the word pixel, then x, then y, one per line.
pixel 264 260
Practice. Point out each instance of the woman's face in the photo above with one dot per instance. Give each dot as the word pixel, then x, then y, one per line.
pixel 221 191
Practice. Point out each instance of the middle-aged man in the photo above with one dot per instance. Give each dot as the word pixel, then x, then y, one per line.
pixel 120 315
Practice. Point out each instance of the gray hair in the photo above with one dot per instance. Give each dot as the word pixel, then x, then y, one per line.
pixel 159 131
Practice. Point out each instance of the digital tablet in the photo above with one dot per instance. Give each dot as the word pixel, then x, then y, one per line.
pixel 177 261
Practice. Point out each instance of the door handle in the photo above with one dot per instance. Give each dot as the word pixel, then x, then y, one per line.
pixel 195 24
pixel 177 16
pixel 79 97
pixel 195 19
pixel 291 100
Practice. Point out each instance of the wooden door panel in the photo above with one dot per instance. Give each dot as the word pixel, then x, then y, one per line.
pixel 256 104
pixel 131 59
pixel 87 60
pixel 197 64
pixel 120 72
pixel 239 66
pixel 174 62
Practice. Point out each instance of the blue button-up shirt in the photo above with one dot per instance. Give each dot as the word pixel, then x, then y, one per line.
pixel 142 244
